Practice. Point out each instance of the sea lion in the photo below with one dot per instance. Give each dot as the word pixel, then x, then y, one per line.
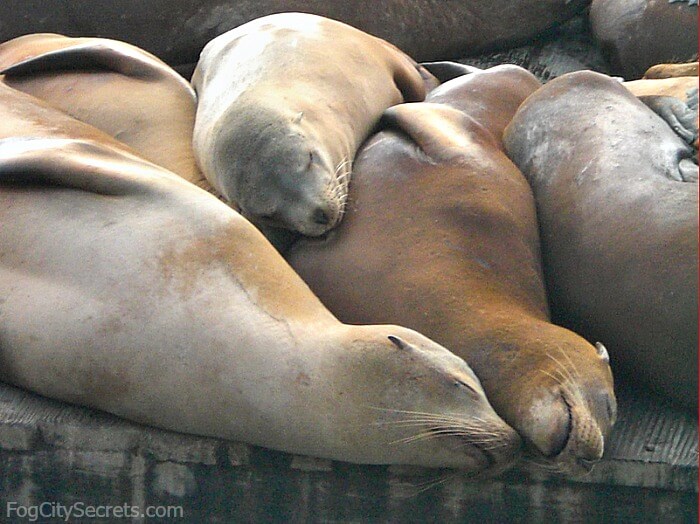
pixel 636 34
pixel 116 87
pixel 617 199
pixel 660 71
pixel 153 300
pixel 177 30
pixel 441 235
pixel 283 104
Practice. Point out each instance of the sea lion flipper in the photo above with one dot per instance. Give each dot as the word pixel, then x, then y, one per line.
pixel 688 169
pixel 93 53
pixel 677 114
pixel 692 98
pixel 442 133
pixel 446 70
pixel 78 164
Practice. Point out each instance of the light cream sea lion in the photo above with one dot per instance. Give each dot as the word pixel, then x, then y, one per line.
pixel 283 104
pixel 441 235
pixel 116 87
pixel 125 288
pixel 617 200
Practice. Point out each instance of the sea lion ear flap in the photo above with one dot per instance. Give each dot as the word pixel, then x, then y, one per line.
pixel 441 132
pixel 602 352
pixel 405 346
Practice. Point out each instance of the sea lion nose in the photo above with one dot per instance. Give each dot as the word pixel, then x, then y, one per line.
pixel 548 426
pixel 322 216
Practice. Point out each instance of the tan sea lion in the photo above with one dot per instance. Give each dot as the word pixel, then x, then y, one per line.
pixel 114 86
pixel 617 200
pixel 283 104
pixel 124 287
pixel 660 71
pixel 441 235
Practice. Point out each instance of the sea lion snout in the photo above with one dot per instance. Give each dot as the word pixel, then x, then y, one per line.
pixel 549 422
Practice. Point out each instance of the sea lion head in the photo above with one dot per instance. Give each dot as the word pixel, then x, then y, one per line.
pixel 272 166
pixel 424 404
pixel 566 405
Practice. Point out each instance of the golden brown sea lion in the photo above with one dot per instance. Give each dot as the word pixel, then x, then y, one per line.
pixel 441 235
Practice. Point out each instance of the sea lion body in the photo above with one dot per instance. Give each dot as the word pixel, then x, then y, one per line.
pixel 636 34
pixel 677 87
pixel 283 104
pixel 177 30
pixel 128 289
pixel 114 86
pixel 441 235
pixel 617 199
pixel 660 71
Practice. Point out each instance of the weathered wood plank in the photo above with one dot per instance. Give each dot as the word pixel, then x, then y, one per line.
pixel 653 445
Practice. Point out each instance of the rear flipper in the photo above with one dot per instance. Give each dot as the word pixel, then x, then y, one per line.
pixel 688 169
pixel 680 116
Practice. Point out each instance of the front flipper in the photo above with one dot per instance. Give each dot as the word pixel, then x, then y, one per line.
pixel 77 164
pixel 445 71
pixel 689 2
pixel 677 114
pixel 443 133
pixel 100 54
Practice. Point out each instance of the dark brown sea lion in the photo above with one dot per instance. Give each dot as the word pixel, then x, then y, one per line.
pixel 617 200
pixel 441 234
pixel 124 287
pixel 177 30
pixel 636 34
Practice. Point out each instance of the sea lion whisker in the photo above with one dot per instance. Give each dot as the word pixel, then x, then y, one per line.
pixel 343 162
pixel 566 388
pixel 568 381
pixel 573 368
pixel 423 413
pixel 568 377
pixel 428 485
pixel 426 435
pixel 437 432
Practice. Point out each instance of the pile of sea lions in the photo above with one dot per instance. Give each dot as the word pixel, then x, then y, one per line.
pixel 236 257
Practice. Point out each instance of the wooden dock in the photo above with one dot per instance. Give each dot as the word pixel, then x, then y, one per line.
pixel 50 451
